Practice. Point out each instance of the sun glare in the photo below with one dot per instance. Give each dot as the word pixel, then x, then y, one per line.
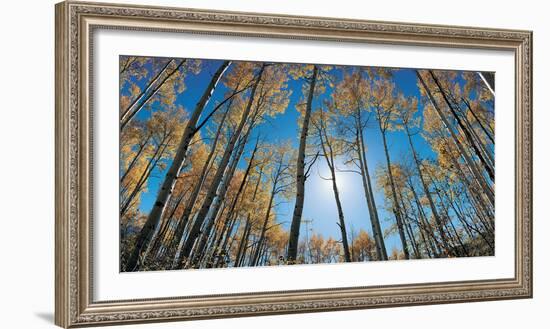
pixel 326 177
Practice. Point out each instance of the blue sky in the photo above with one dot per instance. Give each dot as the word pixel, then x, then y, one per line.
pixel 319 204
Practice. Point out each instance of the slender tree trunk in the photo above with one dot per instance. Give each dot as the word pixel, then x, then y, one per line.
pixel 127 64
pixel 150 86
pixel 408 227
pixel 424 221
pixel 259 251
pixel 489 80
pixel 223 191
pixel 246 247
pixel 471 226
pixel 458 238
pixel 184 218
pixel 146 95
pixel 473 167
pixel 225 254
pixel 369 195
pixel 450 221
pixel 421 230
pixel 266 220
pixel 329 157
pixel 227 236
pixel 475 195
pixel 265 259
pixel 488 168
pixel 427 192
pixel 461 218
pixel 488 133
pixel 226 239
pixel 199 254
pixel 341 221
pixel 231 216
pixel 230 243
pixel 167 186
pixel 203 211
pixel 226 180
pixel 136 157
pixel 160 234
pixel 396 208
pixel 485 152
pixel 144 176
pixel 294 234
pixel 243 243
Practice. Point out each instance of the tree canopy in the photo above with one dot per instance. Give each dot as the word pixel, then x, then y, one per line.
pixel 230 164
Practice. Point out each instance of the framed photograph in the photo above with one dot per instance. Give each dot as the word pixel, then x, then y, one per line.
pixel 219 164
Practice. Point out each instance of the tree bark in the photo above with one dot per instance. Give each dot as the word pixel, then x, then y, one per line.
pixel 328 154
pixel 144 176
pixel 489 80
pixel 159 235
pixel 231 216
pixel 203 211
pixel 243 243
pixel 294 234
pixel 136 157
pixel 408 228
pixel 396 208
pixel 230 229
pixel 222 192
pixel 475 194
pixel 170 179
pixel 421 230
pixel 184 218
pixel 488 168
pixel 450 221
pixel 268 211
pixel 135 107
pixel 489 133
pixel 427 192
pixel 127 64
pixel 473 167
pixel 425 224
pixel 369 195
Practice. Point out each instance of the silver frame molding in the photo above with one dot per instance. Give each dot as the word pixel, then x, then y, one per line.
pixel 75 23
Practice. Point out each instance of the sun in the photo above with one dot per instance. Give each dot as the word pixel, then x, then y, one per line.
pixel 340 179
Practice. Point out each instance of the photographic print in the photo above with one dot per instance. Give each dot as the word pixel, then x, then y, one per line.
pixel 240 164
pixel 351 161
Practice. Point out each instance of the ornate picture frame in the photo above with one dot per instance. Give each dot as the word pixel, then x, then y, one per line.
pixel 75 24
